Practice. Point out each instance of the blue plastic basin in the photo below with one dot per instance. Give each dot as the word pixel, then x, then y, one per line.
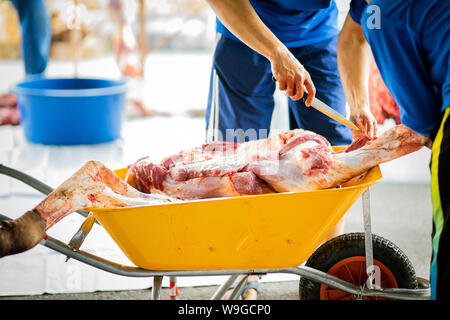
pixel 69 111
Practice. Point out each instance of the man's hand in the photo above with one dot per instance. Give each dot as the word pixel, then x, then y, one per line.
pixel 291 76
pixel 363 118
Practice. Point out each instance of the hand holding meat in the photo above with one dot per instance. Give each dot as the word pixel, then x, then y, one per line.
pixel 363 118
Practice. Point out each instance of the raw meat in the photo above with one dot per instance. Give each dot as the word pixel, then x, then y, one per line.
pixel 220 169
pixel 296 160
pixel 9 112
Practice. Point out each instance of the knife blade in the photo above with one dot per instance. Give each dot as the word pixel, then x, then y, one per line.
pixel 325 109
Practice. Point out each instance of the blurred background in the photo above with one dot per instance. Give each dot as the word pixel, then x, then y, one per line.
pixel 191 20
pixel 126 38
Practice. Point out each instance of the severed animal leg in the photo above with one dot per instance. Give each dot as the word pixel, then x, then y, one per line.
pixel 394 143
pixel 312 167
pixel 21 234
pixel 93 185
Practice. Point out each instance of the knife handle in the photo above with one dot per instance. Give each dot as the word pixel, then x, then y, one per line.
pixel 305 94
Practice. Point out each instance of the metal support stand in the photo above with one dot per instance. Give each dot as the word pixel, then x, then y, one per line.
pixel 156 289
pixel 371 271
pixel 224 287
pixel 239 288
pixel 79 237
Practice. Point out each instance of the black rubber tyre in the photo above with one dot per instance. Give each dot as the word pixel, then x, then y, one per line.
pixel 352 245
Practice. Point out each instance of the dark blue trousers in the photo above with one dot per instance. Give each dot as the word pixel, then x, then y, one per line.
pixel 243 89
pixel 36 34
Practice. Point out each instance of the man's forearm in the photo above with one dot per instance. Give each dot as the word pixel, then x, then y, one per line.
pixel 354 58
pixel 242 20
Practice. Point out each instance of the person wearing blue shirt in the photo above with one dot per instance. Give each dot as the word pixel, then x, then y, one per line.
pixel 410 42
pixel 36 34
pixel 291 41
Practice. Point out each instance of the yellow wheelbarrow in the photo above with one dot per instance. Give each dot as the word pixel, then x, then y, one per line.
pixel 252 235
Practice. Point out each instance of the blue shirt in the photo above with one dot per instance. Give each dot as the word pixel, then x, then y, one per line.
pixel 412 52
pixel 296 23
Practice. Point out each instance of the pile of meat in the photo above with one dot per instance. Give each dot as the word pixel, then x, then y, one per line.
pixel 296 160
pixel 9 112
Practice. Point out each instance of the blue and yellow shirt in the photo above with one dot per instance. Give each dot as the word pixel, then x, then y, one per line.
pixel 411 47
pixel 296 23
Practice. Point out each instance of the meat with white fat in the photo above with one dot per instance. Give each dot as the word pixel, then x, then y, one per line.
pixel 296 160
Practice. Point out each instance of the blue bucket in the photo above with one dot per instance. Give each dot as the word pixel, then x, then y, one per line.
pixel 70 111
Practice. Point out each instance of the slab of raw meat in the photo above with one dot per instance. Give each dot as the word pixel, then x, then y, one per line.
pixel 296 160
pixel 313 168
pixel 220 169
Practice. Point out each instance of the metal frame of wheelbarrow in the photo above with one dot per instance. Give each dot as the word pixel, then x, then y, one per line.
pixel 71 250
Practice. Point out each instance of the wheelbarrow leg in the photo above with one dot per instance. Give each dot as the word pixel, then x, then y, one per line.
pixel 156 289
pixel 239 288
pixel 372 271
pixel 224 287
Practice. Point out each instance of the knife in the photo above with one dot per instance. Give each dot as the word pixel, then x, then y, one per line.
pixel 325 109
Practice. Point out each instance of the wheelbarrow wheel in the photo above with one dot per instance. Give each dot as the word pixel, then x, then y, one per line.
pixel 344 257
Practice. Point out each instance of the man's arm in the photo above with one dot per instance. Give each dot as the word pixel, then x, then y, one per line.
pixel 243 21
pixel 354 57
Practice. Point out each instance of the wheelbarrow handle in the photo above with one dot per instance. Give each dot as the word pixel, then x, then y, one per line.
pixel 32 182
pixel 25 178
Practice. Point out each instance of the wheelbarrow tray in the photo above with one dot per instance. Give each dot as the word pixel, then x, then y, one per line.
pixel 269 231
